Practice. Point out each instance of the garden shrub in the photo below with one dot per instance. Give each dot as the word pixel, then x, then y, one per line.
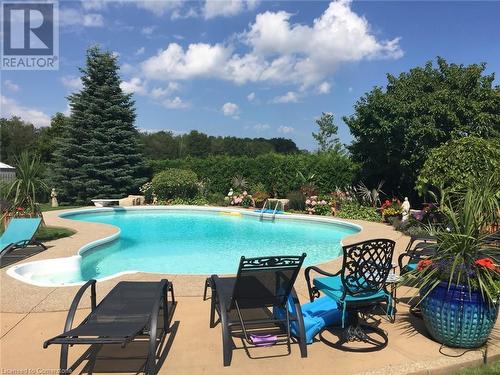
pixel 297 201
pixel 356 211
pixel 260 198
pixel 175 183
pixel 258 187
pixel 459 162
pixel 216 199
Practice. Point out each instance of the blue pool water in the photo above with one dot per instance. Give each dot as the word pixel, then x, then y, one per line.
pixel 190 242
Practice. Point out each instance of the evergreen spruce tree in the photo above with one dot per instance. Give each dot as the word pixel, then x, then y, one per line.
pixel 98 155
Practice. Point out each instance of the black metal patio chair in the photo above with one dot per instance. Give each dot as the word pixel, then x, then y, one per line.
pixel 257 303
pixel 359 286
pixel 418 248
pixel 128 312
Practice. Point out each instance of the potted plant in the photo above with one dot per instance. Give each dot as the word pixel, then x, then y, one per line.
pixel 391 209
pixel 459 286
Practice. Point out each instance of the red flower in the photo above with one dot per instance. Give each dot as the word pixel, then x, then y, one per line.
pixel 424 263
pixel 20 209
pixel 486 263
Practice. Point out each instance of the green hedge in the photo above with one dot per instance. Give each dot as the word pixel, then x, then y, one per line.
pixel 277 172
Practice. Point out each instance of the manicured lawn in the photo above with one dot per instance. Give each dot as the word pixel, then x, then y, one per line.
pixel 490 369
pixel 53 233
pixel 49 233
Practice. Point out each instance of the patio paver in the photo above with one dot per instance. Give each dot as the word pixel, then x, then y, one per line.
pixel 31 314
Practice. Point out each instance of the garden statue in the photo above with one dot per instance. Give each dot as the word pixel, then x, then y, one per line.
pixel 155 199
pixel 405 207
pixel 230 194
pixel 53 198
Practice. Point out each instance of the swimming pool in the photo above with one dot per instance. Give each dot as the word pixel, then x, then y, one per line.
pixel 187 241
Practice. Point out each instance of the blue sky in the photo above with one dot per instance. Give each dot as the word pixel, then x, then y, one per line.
pixel 253 68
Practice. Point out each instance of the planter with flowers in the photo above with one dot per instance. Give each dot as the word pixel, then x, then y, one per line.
pixel 459 286
pixel 391 209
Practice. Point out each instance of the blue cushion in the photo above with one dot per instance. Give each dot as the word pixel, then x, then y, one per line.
pixel 411 266
pixel 333 288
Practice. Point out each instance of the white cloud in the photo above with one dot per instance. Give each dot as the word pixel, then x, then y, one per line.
pixel 198 60
pixel 11 86
pixel 177 14
pixel 175 103
pixel 135 86
pixel 289 97
pixel 261 127
pixel 139 86
pixel 10 107
pixel 72 82
pixel 324 88
pixel 67 111
pixel 140 51
pixel 227 8
pixel 158 8
pixel 159 92
pixel 93 4
pixel 70 17
pixel 279 51
pixel 285 129
pixel 127 68
pixel 231 110
pixel 251 97
pixel 148 30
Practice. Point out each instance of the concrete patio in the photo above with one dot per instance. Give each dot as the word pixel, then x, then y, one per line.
pixel 30 315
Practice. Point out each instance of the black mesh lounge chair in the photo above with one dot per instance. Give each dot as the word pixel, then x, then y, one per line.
pixel 130 310
pixel 248 304
pixel 359 286
pixel 418 248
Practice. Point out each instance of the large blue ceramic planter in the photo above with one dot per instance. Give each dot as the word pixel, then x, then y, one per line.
pixel 457 318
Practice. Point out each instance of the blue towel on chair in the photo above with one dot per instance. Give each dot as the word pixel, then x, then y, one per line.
pixel 320 313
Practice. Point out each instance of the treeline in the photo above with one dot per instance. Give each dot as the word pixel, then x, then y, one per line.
pixel 165 145
pixel 17 135
pixel 277 173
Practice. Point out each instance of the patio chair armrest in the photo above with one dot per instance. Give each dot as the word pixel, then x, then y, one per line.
pixel 220 300
pixel 412 256
pixel 76 302
pixel 313 292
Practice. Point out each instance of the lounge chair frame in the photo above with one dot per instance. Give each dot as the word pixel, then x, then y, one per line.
pixel 149 329
pixel 224 304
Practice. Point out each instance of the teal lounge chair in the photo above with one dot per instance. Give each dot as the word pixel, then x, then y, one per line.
pixel 19 234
